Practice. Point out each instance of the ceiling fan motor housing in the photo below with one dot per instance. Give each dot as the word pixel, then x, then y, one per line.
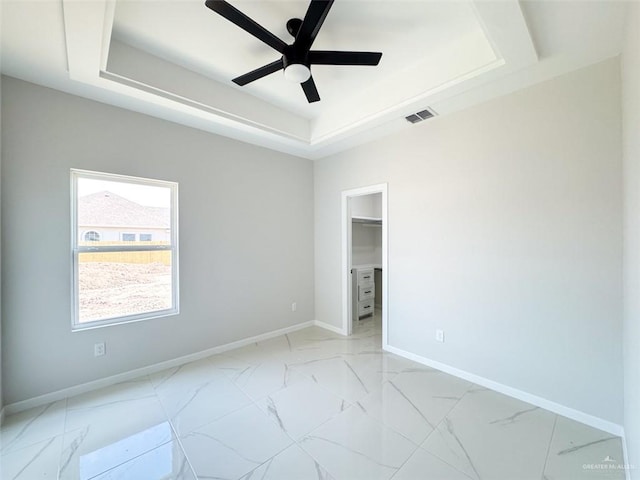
pixel 296 58
pixel 292 55
pixel 293 26
pixel 296 64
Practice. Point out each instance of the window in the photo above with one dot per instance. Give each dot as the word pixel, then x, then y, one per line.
pixel 115 278
pixel 92 236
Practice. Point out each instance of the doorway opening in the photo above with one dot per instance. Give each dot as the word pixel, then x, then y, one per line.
pixel 365 259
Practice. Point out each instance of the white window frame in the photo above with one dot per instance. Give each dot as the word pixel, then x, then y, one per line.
pixel 76 249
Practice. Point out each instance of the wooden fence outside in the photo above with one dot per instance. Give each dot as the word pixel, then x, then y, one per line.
pixel 141 257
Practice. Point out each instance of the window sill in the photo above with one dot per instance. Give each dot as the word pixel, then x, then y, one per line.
pixel 124 320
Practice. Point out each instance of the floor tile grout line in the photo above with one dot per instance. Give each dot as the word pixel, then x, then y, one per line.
pixel 298 442
pixel 5 427
pixel 466 392
pixel 270 459
pixel 63 435
pixel 129 460
pixel 179 441
pixel 34 457
pixel 444 417
pixel 178 438
pixel 50 438
pixel 408 458
pixel 434 454
pixel 440 423
pixel 251 399
pixel 254 402
pixel 457 469
pixel 30 444
pixel 546 457
pixel 123 462
pixel 110 402
pixel 380 421
pixel 316 460
pixel 375 420
pixel 419 446
pixel 233 410
pixel 155 394
pixel 318 385
pixel 174 431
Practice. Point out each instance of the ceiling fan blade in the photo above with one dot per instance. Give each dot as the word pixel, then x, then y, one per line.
pixel 321 57
pixel 313 20
pixel 258 73
pixel 241 20
pixel 310 90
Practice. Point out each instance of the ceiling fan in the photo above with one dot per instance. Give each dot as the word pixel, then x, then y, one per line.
pixel 297 57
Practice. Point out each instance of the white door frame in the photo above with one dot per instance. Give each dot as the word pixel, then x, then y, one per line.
pixel 346 257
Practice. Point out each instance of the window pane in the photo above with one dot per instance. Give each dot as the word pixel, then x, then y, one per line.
pixel 129 213
pixel 116 284
pixel 111 212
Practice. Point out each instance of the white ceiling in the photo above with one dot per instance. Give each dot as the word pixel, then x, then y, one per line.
pixel 175 60
pixel 192 36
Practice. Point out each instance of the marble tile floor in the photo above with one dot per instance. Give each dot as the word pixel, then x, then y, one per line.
pixel 307 405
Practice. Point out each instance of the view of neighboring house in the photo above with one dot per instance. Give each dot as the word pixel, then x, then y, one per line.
pixel 107 217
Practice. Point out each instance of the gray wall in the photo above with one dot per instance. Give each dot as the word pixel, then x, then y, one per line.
pixel 246 237
pixel 1 400
pixel 505 230
pixel 631 156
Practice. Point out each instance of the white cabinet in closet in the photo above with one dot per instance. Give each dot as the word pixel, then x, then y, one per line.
pixel 363 292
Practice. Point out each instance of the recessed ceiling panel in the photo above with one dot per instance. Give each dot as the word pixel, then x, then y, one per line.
pixel 409 33
pixel 175 59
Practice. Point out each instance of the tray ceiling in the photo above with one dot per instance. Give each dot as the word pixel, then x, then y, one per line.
pixel 175 60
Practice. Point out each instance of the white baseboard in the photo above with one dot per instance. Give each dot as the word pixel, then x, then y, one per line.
pixel 331 328
pixel 138 372
pixel 568 412
pixel 554 407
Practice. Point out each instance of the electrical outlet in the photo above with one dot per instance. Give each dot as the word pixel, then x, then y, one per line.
pixel 99 349
pixel 294 306
pixel 440 336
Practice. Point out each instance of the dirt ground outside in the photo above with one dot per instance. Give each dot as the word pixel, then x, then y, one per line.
pixel 108 289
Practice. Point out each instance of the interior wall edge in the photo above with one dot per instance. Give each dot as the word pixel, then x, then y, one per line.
pixel 331 328
pixel 630 79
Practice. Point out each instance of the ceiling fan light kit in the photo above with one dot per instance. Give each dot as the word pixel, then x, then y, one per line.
pixel 297 73
pixel 297 57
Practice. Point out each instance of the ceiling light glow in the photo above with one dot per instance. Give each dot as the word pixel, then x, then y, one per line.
pixel 297 73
